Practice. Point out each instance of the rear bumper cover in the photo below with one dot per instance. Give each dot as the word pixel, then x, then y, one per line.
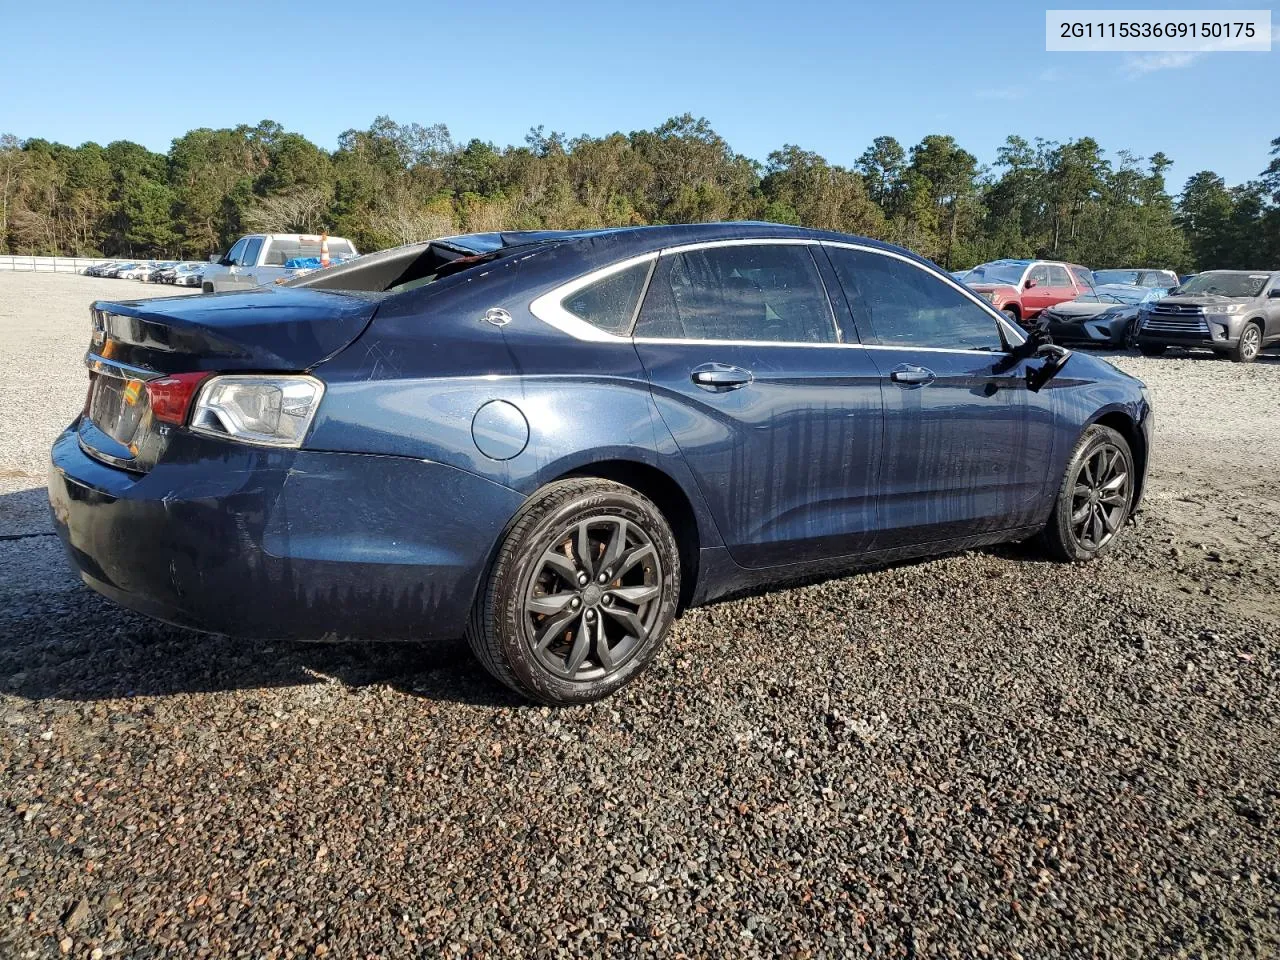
pixel 291 544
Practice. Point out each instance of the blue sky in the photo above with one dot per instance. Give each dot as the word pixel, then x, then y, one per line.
pixel 828 76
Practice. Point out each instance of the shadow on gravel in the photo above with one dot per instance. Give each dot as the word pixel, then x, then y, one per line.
pixel 71 644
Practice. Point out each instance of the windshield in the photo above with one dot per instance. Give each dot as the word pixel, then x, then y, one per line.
pixel 1226 284
pixel 1115 276
pixel 1010 273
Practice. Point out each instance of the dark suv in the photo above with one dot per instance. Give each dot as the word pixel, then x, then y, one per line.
pixel 1235 313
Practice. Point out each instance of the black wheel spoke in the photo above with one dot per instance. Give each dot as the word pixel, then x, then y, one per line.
pixel 582 549
pixel 562 565
pixel 631 558
pixel 636 595
pixel 581 647
pixel 1109 518
pixel 1097 530
pixel 551 604
pixel 632 622
pixel 555 628
pixel 617 545
pixel 1115 483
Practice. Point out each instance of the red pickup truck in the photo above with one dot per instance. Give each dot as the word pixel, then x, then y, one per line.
pixel 1023 288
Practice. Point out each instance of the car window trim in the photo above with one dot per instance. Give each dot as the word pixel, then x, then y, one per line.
pixel 549 308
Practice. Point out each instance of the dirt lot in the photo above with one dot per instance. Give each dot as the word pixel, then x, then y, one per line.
pixel 983 755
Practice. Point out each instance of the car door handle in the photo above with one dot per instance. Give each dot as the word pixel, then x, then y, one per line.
pixel 910 375
pixel 720 376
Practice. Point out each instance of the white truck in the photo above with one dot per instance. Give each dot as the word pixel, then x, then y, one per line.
pixel 258 259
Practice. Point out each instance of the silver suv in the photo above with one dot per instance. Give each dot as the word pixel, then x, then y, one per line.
pixel 1235 313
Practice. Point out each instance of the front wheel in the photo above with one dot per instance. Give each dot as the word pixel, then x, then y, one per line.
pixel 1095 498
pixel 1152 349
pixel 581 594
pixel 1249 345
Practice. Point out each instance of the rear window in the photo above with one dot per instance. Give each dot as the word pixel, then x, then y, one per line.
pixel 282 251
pixel 610 303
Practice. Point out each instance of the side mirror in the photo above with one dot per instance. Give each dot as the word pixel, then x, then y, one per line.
pixel 1031 282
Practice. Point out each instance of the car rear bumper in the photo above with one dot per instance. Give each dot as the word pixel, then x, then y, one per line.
pixel 281 544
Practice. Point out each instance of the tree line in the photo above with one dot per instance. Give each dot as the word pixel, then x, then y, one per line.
pixel 396 183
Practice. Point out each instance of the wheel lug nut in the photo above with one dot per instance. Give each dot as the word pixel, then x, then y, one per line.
pixel 582 579
pixel 607 600
pixel 591 614
pixel 603 578
pixel 575 603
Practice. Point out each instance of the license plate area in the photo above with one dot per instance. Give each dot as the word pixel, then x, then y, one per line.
pixel 118 415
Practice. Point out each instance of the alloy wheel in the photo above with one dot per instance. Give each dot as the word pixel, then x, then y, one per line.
pixel 594 598
pixel 1250 341
pixel 1100 497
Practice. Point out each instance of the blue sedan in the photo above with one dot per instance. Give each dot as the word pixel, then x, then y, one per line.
pixel 553 442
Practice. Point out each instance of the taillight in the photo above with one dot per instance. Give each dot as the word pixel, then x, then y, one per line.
pixel 170 396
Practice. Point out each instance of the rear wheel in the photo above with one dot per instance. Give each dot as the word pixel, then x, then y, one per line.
pixel 1152 349
pixel 581 594
pixel 1095 498
pixel 1249 345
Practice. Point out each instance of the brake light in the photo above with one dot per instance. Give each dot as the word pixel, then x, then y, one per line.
pixel 170 396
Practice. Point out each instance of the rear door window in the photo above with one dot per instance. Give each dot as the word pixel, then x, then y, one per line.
pixel 751 292
pixel 907 306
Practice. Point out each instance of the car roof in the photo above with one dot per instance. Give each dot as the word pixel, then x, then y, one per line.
pixel 625 241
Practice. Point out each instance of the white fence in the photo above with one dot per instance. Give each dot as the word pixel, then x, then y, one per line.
pixel 19 264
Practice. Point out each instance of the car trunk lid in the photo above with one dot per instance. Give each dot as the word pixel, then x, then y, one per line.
pixel 141 349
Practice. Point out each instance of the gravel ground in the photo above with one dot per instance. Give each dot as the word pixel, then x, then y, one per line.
pixel 982 755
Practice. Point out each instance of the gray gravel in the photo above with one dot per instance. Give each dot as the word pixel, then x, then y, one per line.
pixel 983 755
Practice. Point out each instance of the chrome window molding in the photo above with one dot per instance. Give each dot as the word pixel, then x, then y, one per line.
pixel 549 307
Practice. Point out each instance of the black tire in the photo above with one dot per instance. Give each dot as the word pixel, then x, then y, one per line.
pixel 539 564
pixel 1092 505
pixel 1153 349
pixel 1012 315
pixel 1249 345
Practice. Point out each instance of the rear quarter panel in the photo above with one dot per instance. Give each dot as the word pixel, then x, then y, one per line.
pixel 412 384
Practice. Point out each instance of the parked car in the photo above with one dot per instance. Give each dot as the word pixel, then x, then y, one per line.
pixel 188 274
pixel 134 271
pixel 1140 277
pixel 1106 317
pixel 1235 313
pixel 116 269
pixel 260 259
pixel 554 441
pixel 1021 289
